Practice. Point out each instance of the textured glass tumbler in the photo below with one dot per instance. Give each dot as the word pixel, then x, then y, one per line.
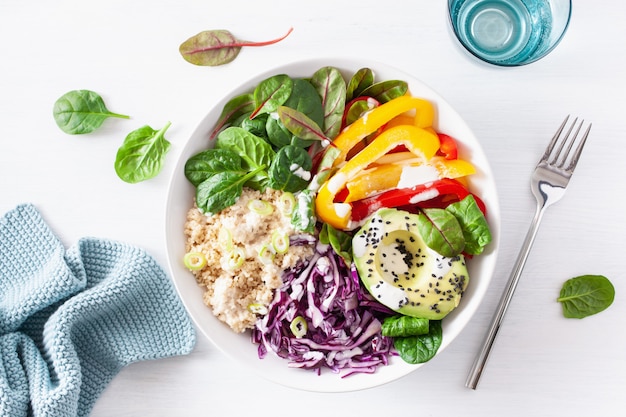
pixel 509 32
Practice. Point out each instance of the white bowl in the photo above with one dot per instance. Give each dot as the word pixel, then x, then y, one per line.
pixel 239 346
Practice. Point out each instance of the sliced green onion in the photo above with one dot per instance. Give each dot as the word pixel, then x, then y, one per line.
pixel 194 260
pixel 266 255
pixel 260 207
pixel 225 239
pixel 234 259
pixel 287 203
pixel 257 308
pixel 280 241
pixel 298 327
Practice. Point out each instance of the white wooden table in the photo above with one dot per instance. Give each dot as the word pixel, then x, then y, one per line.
pixel 542 364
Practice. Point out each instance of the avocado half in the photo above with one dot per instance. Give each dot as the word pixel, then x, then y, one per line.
pixel 400 271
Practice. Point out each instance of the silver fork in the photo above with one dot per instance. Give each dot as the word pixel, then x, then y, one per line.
pixel 548 183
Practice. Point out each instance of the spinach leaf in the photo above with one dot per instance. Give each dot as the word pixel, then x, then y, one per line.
pixel 441 231
pixel 221 190
pixel 306 100
pixel 255 153
pixel 233 109
pixel 271 93
pixel 142 154
pixel 255 126
pixel 361 80
pixel 403 326
pixel 217 47
pixel 386 90
pixel 586 295
pixel 340 241
pixel 421 348
pixel 290 169
pixel 303 217
pixel 331 87
pixel 473 223
pixel 81 111
pixel 300 125
pixel 201 166
pixel 277 134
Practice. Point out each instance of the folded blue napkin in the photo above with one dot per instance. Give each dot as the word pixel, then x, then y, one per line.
pixel 70 320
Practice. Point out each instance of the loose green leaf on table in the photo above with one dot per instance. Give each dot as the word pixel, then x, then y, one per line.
pixel 142 154
pixel 81 111
pixel 586 295
pixel 217 47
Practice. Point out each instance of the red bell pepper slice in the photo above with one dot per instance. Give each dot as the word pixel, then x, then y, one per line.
pixel 438 193
pixel 447 147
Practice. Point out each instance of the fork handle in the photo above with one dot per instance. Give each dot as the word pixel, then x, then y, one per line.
pixel 505 300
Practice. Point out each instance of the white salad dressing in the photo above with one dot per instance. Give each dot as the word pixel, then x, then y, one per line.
pixel 414 175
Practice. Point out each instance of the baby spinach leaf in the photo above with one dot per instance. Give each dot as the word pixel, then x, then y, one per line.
pixel 586 295
pixel 277 134
pixel 142 154
pixel 300 125
pixel 303 217
pixel 271 93
pixel 217 47
pixel 221 190
pixel 290 169
pixel 441 231
pixel 421 348
pixel 403 326
pixel 253 151
pixel 81 111
pixel 331 87
pixel 201 166
pixel 361 80
pixel 305 99
pixel 385 91
pixel 473 223
pixel 233 109
pixel 340 241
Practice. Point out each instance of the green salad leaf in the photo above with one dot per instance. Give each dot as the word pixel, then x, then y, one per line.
pixel 586 295
pixel 142 154
pixel 473 223
pixel 81 111
pixel 421 348
pixel 404 326
pixel 441 231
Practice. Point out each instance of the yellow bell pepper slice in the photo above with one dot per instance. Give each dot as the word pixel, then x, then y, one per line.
pixel 420 142
pixel 376 118
pixel 387 176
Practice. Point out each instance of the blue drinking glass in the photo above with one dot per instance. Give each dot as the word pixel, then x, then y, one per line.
pixel 509 32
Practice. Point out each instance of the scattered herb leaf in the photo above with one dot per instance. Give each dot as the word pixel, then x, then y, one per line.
pixel 586 295
pixel 217 47
pixel 142 154
pixel 81 111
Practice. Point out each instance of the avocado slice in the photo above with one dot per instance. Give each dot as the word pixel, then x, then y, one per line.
pixel 402 272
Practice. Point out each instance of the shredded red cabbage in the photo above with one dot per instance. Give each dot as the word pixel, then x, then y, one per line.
pixel 343 331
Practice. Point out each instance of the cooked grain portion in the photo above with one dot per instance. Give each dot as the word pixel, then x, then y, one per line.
pixel 233 293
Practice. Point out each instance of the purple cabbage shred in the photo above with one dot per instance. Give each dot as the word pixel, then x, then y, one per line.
pixel 343 321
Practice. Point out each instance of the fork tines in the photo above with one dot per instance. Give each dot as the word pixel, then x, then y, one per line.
pixel 554 157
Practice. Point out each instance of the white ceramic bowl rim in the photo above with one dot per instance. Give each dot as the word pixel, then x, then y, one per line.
pixel 238 346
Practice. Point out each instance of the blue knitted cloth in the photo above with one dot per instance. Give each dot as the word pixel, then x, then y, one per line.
pixel 71 319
